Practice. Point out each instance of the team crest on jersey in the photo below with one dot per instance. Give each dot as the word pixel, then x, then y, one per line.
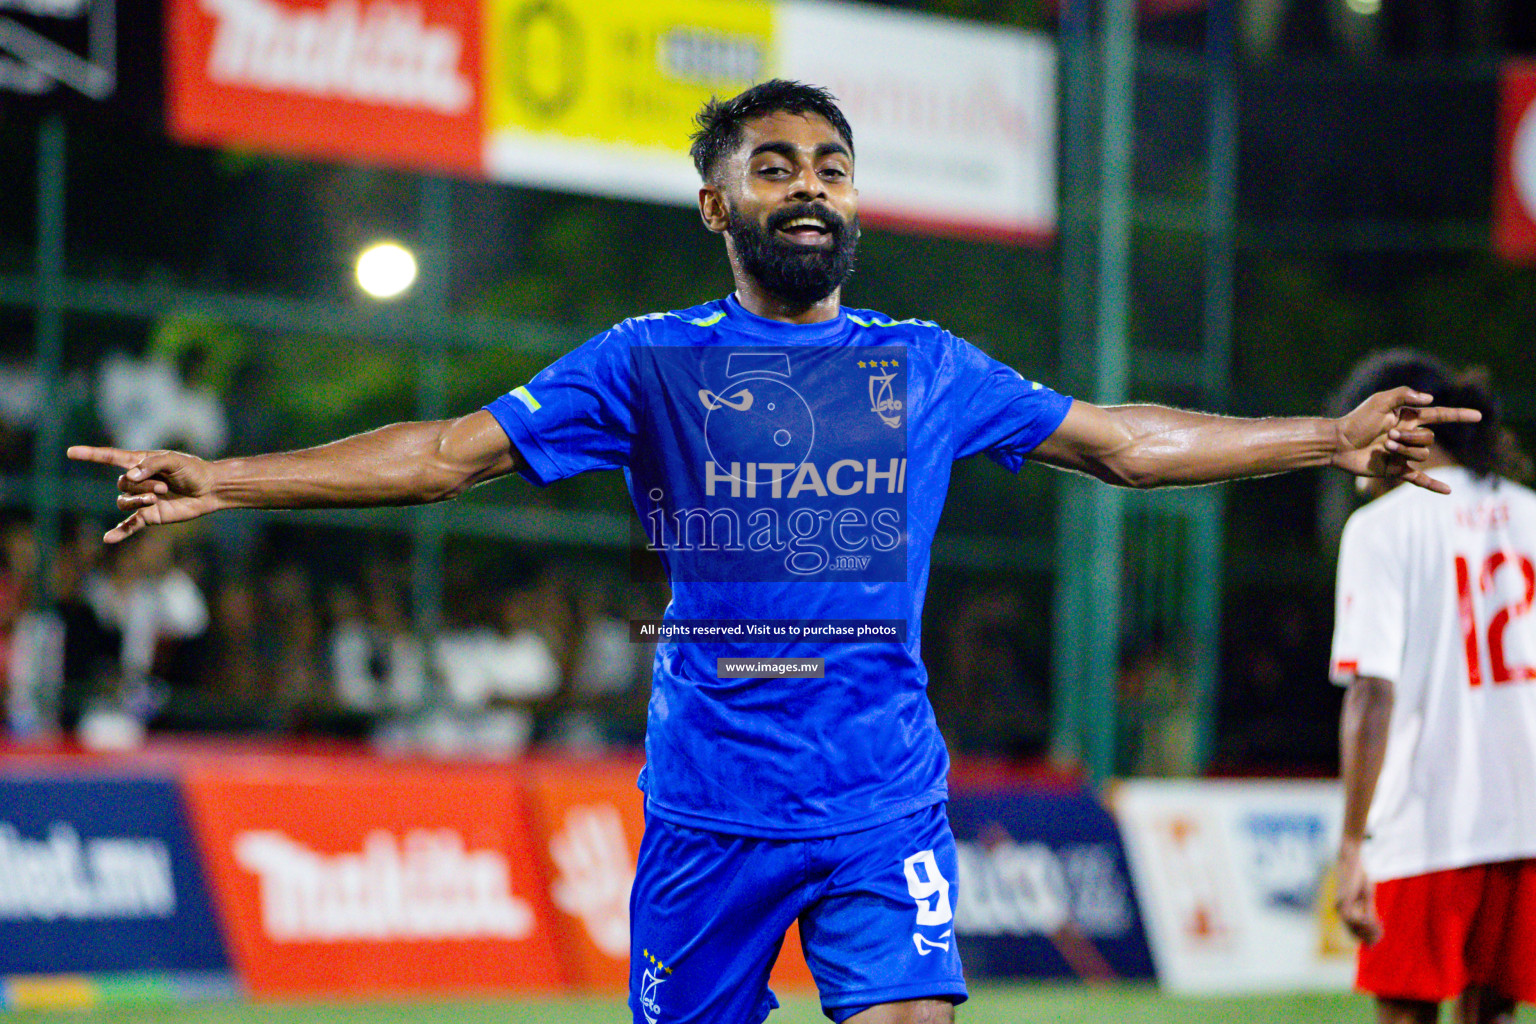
pixel 650 987
pixel 882 396
pixel 648 992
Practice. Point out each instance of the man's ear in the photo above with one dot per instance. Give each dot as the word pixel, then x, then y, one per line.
pixel 712 209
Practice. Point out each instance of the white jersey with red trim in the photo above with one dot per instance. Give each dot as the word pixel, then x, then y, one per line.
pixel 1435 594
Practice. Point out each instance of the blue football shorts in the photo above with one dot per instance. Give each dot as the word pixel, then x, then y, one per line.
pixel 709 910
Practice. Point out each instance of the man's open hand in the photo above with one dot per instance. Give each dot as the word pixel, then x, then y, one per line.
pixel 157 487
pixel 1391 432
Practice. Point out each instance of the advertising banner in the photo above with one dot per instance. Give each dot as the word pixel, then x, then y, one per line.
pixel 101 875
pixel 1236 880
pixel 954 123
pixel 599 95
pixel 587 828
pixel 378 81
pixel 588 822
pixel 1045 891
pixel 362 879
pixel 1514 193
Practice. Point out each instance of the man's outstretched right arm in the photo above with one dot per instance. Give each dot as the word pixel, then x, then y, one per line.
pixel 401 464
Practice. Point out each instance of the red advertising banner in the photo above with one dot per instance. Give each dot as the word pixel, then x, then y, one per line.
pixel 1514 193
pixel 589 818
pixel 348 877
pixel 395 82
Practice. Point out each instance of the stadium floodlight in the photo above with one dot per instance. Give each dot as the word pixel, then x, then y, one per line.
pixel 385 270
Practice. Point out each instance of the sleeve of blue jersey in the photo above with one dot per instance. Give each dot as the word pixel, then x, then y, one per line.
pixel 539 464
pixel 997 410
pixel 574 415
pixel 1036 415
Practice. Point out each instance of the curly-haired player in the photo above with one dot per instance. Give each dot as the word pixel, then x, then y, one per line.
pixel 1436 641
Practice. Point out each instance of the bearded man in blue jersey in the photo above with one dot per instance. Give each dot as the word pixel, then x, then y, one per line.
pixel 788 458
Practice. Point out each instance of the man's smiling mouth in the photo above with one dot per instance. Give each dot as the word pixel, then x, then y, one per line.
pixel 805 230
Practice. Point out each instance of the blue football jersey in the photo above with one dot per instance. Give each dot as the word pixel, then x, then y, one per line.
pixel 784 472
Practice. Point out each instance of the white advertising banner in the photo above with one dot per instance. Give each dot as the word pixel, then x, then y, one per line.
pixel 1236 880
pixel 954 123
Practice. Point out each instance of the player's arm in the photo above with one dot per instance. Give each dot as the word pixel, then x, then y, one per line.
pixel 401 464
pixel 1153 446
pixel 1362 749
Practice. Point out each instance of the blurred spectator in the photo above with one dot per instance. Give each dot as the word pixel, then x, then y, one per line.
pixel 145 404
pixel 231 688
pixel 19 406
pixel 1278 647
pixel 152 604
pixel 18 566
pixel 290 636
pixel 234 662
pixel 985 698
pixel 18 572
pixel 1158 716
pixel 377 663
pixel 497 675
pixel 62 657
pixel 609 679
pixel 142 593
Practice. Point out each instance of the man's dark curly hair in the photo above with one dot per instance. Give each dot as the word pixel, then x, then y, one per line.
pixel 720 121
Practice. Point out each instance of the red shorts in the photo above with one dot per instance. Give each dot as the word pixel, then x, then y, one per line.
pixel 1449 930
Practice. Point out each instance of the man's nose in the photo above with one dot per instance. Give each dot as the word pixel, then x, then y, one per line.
pixel 808 185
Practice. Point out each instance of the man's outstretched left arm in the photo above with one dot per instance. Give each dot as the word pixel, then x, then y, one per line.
pixel 1153 446
pixel 1364 725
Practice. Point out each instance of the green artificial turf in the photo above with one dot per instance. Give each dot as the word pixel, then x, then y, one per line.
pixel 990 1004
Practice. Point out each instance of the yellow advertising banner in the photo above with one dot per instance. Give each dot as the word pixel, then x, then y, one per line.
pixel 955 122
pixel 617 72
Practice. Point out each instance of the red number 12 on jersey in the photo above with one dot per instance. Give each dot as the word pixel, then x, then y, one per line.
pixel 1503 672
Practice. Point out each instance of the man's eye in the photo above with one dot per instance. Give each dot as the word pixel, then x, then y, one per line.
pixel 833 172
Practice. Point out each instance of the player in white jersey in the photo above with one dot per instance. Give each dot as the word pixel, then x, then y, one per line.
pixel 1436 639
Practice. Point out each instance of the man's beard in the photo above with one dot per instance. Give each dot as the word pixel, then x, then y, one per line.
pixel 799 274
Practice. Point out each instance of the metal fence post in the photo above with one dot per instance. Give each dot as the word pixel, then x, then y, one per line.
pixel 47 458
pixel 1203 613
pixel 428 526
pixel 1104 526
pixel 1075 362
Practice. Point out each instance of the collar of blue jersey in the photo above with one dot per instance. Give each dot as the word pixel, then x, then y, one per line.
pixel 761 326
